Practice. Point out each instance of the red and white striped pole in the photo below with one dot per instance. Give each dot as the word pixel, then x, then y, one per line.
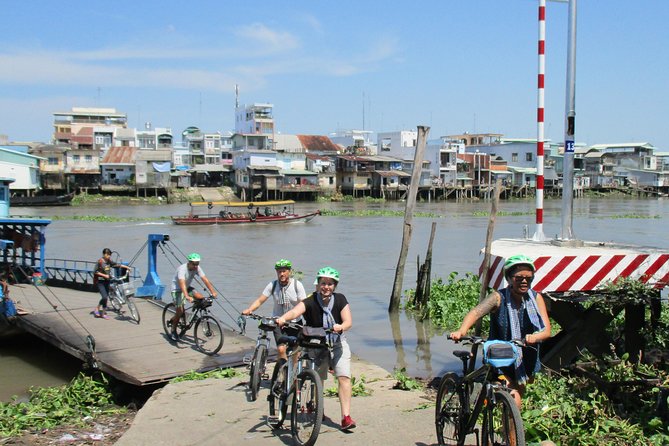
pixel 539 233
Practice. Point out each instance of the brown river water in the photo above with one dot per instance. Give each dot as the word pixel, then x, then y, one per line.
pixel 239 261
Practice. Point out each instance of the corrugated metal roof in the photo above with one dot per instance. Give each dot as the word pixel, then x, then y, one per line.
pixel 298 172
pixel 315 157
pixel 120 155
pixel 318 143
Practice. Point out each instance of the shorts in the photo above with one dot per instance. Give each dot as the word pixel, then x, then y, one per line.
pixel 178 299
pixel 340 361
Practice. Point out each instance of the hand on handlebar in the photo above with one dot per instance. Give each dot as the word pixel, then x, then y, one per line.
pixel 247 312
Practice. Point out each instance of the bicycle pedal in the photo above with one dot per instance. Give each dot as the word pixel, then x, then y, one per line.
pixel 272 419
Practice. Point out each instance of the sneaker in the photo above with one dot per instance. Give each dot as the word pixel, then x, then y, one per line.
pixel 174 337
pixel 96 313
pixel 347 423
pixel 104 316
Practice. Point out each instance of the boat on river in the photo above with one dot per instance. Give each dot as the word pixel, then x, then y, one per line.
pixel 242 212
pixel 42 200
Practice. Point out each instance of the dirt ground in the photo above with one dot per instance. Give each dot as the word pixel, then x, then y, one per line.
pixel 103 431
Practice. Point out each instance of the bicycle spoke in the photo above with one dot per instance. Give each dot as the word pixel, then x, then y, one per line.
pixel 448 412
pixel 208 335
pixel 503 425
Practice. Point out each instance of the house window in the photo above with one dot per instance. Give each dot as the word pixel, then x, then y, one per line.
pixel 75 158
pixel 528 156
pixel 514 157
pixel 331 180
pixel 89 158
pixel 53 161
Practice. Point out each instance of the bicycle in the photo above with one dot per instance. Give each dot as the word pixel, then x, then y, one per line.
pixel 298 383
pixel 208 332
pixel 120 293
pixel 459 407
pixel 258 363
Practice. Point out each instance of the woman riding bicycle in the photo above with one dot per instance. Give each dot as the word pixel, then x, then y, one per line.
pixel 516 312
pixel 327 309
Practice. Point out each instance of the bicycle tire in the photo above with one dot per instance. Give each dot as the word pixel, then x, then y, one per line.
pixel 115 300
pixel 278 400
pixel 208 335
pixel 256 371
pixel 134 312
pixel 448 412
pixel 168 313
pixel 306 413
pixel 502 423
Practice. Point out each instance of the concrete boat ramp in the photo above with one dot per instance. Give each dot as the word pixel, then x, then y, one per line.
pixel 139 354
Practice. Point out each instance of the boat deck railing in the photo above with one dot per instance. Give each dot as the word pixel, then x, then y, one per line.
pixel 76 272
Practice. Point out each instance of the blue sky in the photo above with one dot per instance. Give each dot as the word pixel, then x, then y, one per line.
pixel 456 66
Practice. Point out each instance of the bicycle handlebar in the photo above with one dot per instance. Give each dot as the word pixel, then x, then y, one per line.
pixel 478 340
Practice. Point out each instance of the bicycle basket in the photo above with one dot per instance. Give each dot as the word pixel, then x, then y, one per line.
pixel 312 337
pixel 499 353
pixel 129 288
pixel 267 324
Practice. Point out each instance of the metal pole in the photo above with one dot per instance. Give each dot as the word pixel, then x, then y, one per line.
pixel 539 232
pixel 570 122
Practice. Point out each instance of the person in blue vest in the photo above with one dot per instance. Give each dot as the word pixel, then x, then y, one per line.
pixel 327 309
pixel 286 291
pixel 516 312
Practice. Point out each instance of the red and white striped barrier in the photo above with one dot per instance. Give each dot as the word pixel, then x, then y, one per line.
pixel 581 268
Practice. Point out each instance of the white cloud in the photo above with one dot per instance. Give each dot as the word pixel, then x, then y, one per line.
pixel 269 40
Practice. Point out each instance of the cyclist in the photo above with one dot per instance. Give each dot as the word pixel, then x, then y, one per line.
pixel 102 279
pixel 286 292
pixel 327 309
pixel 181 282
pixel 516 312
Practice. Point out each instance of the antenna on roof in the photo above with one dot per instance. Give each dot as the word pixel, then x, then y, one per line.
pixel 236 96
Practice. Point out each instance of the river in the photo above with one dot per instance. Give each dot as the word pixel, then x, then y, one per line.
pixel 239 261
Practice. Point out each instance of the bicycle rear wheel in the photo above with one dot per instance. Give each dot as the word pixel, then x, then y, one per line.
pixel 208 335
pixel 502 424
pixel 257 369
pixel 168 313
pixel 448 412
pixel 133 309
pixel 278 400
pixel 306 413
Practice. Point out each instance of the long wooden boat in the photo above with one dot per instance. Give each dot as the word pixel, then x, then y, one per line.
pixel 42 200
pixel 233 212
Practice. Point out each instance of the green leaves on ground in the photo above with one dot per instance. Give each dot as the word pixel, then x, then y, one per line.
pixel 404 381
pixel 50 406
pixel 198 376
pixel 358 388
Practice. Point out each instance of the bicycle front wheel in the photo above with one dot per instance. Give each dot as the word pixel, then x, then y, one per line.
pixel 115 301
pixel 168 313
pixel 306 413
pixel 502 424
pixel 448 414
pixel 134 312
pixel 208 335
pixel 278 400
pixel 257 369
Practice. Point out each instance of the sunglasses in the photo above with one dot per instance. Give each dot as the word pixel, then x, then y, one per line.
pixel 521 279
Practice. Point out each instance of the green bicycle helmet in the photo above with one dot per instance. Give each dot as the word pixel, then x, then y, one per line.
pixel 283 263
pixel 519 259
pixel 328 272
pixel 193 257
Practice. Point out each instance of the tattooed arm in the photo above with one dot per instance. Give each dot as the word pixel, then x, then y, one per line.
pixel 488 305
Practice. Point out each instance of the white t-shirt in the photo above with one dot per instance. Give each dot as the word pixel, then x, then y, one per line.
pixel 285 297
pixel 188 275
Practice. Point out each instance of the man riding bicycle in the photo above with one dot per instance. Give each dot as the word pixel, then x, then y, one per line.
pixel 286 292
pixel 181 282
